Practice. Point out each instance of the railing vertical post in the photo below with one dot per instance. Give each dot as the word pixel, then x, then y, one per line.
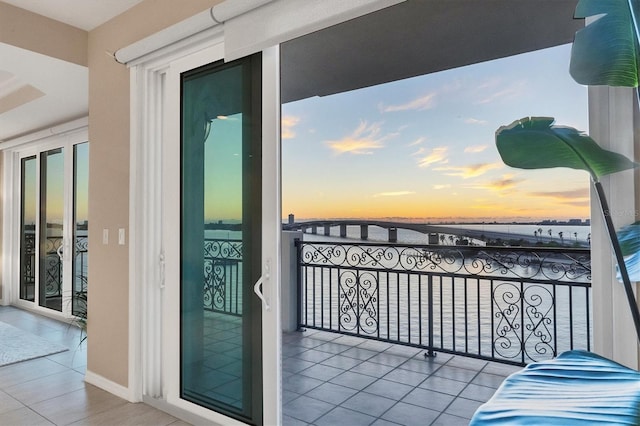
pixel 430 352
pixel 298 244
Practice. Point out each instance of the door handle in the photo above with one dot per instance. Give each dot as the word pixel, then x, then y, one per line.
pixel 257 287
pixel 60 252
pixel 258 291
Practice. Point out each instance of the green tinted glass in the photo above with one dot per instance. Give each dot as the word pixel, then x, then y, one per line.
pixel 220 245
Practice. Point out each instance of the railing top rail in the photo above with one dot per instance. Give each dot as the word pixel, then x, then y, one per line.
pixel 224 240
pixel 435 247
pixel 529 264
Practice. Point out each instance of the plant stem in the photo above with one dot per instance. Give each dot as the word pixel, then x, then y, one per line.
pixel 615 244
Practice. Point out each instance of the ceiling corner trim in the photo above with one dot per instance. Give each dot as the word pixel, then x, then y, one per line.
pixel 19 97
pixel 70 127
pixel 185 29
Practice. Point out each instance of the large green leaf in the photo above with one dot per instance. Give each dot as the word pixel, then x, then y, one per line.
pixel 605 52
pixel 535 143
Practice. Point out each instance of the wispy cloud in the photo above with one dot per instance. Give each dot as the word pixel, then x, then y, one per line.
pixel 511 91
pixel 490 83
pixel 417 141
pixel 503 185
pixel 475 148
pixel 573 194
pixel 573 197
pixel 472 170
pixel 577 203
pixel 434 156
pixel 438 187
pixel 393 194
pixel 471 120
pixel 365 138
pixel 288 123
pixel 418 104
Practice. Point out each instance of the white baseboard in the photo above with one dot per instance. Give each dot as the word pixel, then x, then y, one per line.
pixel 109 386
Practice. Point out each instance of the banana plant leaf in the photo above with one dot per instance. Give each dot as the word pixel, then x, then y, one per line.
pixel 605 51
pixel 535 143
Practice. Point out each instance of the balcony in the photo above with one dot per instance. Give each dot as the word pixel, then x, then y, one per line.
pixel 424 334
pixel 411 334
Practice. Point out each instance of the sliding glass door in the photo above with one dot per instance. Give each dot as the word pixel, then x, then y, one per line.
pixel 53 227
pixel 220 317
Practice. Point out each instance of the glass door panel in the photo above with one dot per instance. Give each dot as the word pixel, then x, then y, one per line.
pixel 51 228
pixel 28 217
pixel 80 259
pixel 220 239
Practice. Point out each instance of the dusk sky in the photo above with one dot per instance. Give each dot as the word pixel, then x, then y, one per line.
pixel 55 186
pixel 424 147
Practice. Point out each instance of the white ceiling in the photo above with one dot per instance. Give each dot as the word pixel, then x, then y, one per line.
pixel 84 14
pixel 37 91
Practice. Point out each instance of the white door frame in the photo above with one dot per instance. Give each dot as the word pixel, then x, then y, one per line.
pixel 66 136
pixel 153 349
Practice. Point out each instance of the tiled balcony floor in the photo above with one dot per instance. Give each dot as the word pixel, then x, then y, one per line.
pixel 330 379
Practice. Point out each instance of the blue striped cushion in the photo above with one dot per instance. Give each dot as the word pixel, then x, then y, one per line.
pixel 575 388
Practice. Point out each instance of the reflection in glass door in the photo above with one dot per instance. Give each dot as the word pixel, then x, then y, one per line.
pixel 28 214
pixel 53 228
pixel 220 239
pixel 80 237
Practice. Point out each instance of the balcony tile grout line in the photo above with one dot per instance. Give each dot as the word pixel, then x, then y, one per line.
pixel 418 386
pixel 458 395
pixel 432 373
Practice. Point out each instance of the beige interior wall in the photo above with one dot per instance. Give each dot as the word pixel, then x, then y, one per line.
pixel 109 178
pixel 27 30
pixel 1 216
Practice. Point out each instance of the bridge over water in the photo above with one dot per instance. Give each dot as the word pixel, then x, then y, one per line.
pixel 432 230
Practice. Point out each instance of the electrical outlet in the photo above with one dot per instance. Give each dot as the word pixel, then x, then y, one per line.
pixel 121 236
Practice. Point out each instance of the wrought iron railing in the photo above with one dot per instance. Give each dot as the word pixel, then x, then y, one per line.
pixel 514 305
pixel 223 276
pixel 53 265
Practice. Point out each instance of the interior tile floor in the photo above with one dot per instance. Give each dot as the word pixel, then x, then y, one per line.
pixel 328 379
pixel 51 390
